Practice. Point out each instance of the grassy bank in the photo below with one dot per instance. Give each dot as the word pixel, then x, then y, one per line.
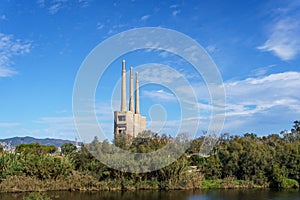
pixel 80 182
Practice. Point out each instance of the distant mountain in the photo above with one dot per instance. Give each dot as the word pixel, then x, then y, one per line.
pixel 15 141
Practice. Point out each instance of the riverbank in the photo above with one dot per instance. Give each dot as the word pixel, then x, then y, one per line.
pixel 80 182
pixel 240 162
pixel 260 194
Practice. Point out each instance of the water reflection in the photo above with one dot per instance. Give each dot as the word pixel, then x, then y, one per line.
pixel 167 195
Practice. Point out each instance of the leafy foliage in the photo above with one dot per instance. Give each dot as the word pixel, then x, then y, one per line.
pixel 35 148
pixel 68 148
pixel 236 161
pixel 269 160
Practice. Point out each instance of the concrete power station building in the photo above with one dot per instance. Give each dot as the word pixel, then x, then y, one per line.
pixel 129 122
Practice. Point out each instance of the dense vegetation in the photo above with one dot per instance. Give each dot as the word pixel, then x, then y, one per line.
pixel 236 161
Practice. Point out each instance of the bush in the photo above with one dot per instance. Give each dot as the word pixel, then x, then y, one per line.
pixel 211 184
pixel 289 183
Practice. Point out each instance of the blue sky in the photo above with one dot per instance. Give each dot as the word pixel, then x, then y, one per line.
pixel 255 44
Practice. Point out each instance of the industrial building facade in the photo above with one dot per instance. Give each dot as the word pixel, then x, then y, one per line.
pixel 129 122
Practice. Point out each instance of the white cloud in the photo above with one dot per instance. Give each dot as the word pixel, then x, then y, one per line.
pixel 55 120
pixel 104 111
pixel 261 98
pixel 54 6
pixel 8 124
pixel 65 126
pixel 165 54
pixel 174 127
pixel 285 78
pixel 55 127
pixel 284 30
pixel 193 53
pixel 255 103
pixel 158 74
pixel 10 47
pixel 145 17
pixel 41 3
pixel 264 89
pixel 84 3
pixel 262 70
pixel 176 12
pixel 100 26
pixel 159 95
pixel 284 40
pixel 174 6
pixel 211 48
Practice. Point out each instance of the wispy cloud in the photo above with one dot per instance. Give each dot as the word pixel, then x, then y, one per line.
pixel 175 8
pixel 211 48
pixel 145 17
pixel 159 95
pixel 84 3
pixel 41 3
pixel 249 100
pixel 100 26
pixel 176 12
pixel 10 47
pixel 54 6
pixel 283 39
pixel 8 124
pixel 114 29
pixel 253 100
pixel 261 98
pixel 272 90
pixel 56 127
pixel 158 74
pixel 64 126
pixel 261 71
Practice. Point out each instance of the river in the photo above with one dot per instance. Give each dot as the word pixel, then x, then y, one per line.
pixel 252 194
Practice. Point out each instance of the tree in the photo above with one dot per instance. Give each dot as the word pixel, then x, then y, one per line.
pixel 35 148
pixel 296 130
pixel 68 148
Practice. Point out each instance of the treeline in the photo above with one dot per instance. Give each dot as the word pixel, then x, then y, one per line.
pixel 236 161
pixel 271 161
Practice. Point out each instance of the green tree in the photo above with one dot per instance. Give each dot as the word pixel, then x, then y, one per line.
pixel 296 130
pixel 35 148
pixel 68 148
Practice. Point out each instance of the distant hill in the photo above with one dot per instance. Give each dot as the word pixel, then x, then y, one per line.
pixel 15 141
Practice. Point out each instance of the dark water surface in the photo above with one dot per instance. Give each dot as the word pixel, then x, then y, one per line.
pixel 169 195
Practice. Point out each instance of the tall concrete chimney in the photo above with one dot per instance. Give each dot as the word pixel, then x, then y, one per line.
pixel 123 90
pixel 131 108
pixel 137 95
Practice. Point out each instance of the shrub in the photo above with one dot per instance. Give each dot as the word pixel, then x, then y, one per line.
pixel 289 183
